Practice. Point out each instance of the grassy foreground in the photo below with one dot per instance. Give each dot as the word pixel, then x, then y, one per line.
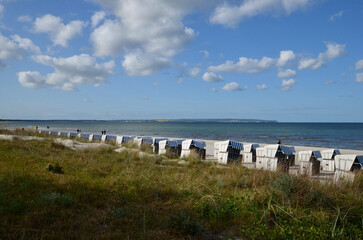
pixel 102 194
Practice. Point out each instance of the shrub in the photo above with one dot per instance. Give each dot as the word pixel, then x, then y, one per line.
pixel 121 212
pixel 57 198
pixel 54 168
pixel 146 148
pixel 184 223
pixel 57 145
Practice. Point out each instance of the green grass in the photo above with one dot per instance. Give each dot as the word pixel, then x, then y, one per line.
pixel 107 195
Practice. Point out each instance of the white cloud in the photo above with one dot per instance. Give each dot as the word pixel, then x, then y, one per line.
pixel 31 80
pixel 329 82
pixel 156 83
pixel 26 44
pixel 144 98
pixel 285 57
pixel 9 50
pixel 193 72
pixel 233 86
pixel 230 15
pixel 212 77
pixel 213 90
pixel 287 84
pixel 262 87
pixel 359 77
pixel 25 18
pixel 59 33
pixel 69 72
pixel 245 65
pixel 359 65
pixel 333 51
pixel 205 53
pixel 15 49
pixel 336 15
pixel 288 73
pixel 152 29
pixel 97 18
pixel 138 64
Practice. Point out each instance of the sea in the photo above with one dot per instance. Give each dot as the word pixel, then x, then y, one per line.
pixel 329 135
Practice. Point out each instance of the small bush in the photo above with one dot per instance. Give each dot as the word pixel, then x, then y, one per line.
pixel 121 212
pixel 57 198
pixel 130 144
pixel 186 224
pixel 54 168
pixel 193 157
pixel 57 145
pixel 146 148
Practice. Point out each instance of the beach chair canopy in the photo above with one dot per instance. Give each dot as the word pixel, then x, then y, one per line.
pixel 306 155
pixel 271 150
pixel 110 137
pixel 157 140
pixel 223 146
pixel 147 140
pixel 188 143
pixel 74 134
pixel 174 143
pixel 250 147
pixel 345 162
pixel 84 135
pixel 97 137
pixel 329 153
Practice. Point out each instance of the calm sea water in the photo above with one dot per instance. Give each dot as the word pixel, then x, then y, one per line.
pixel 332 135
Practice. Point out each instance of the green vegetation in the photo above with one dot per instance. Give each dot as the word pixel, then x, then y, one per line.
pixel 127 195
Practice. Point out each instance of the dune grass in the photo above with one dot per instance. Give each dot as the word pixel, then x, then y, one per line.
pixel 103 194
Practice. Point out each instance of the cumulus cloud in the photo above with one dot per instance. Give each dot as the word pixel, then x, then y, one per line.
pixel 69 72
pixel 15 48
pixel 193 72
pixel 285 57
pixel 333 51
pixel 213 90
pixel 336 15
pixel 152 28
pixel 359 65
pixel 26 44
pixel 230 15
pixel 262 87
pixel 287 84
pixel 25 18
pixel 97 17
pixel 288 73
pixel 329 82
pixel 233 86
pixel 59 33
pixel 245 65
pixel 139 64
pixel 212 77
pixel 359 77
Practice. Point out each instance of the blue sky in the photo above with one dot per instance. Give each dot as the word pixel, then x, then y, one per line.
pixel 285 60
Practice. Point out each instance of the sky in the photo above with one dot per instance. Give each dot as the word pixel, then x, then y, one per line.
pixel 284 60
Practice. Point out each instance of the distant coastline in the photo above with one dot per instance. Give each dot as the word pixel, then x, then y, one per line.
pixel 227 120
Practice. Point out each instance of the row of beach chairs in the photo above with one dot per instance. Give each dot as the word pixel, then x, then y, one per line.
pixel 277 157
pixel 177 148
pixel 274 157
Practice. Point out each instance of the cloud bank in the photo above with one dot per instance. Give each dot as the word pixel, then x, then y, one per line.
pixel 68 72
